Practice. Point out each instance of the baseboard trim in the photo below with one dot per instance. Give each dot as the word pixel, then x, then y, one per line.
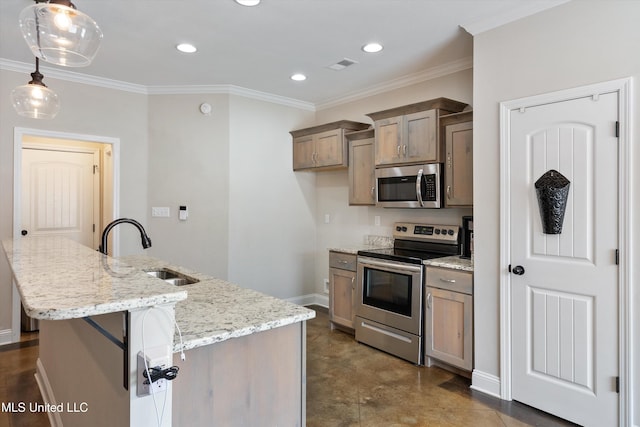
pixel 47 394
pixel 485 383
pixel 311 299
pixel 6 336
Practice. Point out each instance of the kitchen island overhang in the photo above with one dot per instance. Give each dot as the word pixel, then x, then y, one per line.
pixel 221 323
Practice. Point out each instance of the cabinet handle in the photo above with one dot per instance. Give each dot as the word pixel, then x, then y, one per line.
pixel 353 283
pixel 448 280
pixel 314 157
pixel 343 261
pixel 373 191
pixel 404 150
pixel 398 150
pixel 449 192
pixel 429 300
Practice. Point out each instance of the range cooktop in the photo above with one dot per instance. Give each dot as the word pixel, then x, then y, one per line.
pixel 414 243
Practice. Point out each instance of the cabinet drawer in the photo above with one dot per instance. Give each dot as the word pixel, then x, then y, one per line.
pixel 453 280
pixel 342 260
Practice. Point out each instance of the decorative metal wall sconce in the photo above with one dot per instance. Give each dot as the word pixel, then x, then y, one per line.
pixel 552 190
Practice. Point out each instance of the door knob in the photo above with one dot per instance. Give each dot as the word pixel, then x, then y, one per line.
pixel 24 232
pixel 518 270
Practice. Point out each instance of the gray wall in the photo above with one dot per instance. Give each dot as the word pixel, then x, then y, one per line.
pixel 577 43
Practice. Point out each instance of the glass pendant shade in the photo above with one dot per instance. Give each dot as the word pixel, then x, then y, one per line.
pixel 35 100
pixel 60 34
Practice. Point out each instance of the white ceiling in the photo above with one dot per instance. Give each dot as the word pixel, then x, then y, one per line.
pixel 259 48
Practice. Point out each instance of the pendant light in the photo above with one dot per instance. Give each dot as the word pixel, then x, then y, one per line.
pixel 58 33
pixel 35 99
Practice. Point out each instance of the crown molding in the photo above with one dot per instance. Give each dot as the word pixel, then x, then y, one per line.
pixel 410 79
pixel 528 8
pixel 230 90
pixel 71 76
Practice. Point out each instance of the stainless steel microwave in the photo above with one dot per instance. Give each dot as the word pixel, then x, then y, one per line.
pixel 416 186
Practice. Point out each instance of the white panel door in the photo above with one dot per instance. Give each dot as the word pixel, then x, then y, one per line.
pixel 58 194
pixel 565 298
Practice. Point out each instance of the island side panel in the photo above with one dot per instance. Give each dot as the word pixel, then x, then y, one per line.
pixel 79 368
pixel 257 379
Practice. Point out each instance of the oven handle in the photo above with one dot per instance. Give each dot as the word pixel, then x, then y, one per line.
pixel 391 266
pixel 418 187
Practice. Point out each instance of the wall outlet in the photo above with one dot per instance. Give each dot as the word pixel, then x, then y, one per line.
pixel 326 286
pixel 157 357
pixel 376 220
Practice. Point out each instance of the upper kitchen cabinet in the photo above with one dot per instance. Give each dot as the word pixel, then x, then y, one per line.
pixel 323 147
pixel 410 134
pixel 362 184
pixel 458 138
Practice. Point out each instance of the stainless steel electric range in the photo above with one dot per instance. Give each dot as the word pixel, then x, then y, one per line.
pixel 389 305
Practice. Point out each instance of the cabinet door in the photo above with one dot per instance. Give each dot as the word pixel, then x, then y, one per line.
pixel 459 164
pixel 303 152
pixel 341 296
pixel 449 327
pixel 330 148
pixel 361 172
pixel 389 134
pixel 421 141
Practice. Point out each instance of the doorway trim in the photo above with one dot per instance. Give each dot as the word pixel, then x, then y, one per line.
pixel 625 297
pixel 18 135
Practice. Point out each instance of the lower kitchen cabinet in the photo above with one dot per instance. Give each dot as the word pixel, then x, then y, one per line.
pixel 342 289
pixel 449 318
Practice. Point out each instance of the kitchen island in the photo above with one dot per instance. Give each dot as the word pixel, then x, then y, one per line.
pixel 245 351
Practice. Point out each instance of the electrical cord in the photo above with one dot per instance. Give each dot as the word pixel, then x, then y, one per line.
pixel 154 374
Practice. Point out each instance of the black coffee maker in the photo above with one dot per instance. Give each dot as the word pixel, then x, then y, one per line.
pixel 467 237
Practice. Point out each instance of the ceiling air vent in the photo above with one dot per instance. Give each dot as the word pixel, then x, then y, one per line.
pixel 346 62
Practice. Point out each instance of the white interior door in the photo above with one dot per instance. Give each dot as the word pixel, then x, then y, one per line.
pixel 564 306
pixel 58 194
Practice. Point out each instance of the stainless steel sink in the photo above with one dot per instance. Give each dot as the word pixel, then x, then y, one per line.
pixel 172 277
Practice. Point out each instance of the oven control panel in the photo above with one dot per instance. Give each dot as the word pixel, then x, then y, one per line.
pixel 428 232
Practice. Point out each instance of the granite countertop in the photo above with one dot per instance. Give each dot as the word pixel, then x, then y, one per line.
pixel 453 262
pixel 60 279
pixel 217 310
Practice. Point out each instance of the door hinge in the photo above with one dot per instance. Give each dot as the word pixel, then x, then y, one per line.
pixel 617 129
pixel 617 257
pixel 617 384
pixel 94 228
pixel 95 169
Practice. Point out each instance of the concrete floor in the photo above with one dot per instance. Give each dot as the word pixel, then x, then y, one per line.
pixel 348 385
pixel 351 384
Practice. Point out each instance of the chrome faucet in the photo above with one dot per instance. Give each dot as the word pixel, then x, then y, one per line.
pixel 146 241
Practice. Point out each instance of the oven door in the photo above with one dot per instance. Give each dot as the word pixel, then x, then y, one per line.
pixel 390 293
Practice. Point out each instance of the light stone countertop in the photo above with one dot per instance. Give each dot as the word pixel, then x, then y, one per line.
pixel 217 310
pixel 453 262
pixel 60 279
pixel 370 242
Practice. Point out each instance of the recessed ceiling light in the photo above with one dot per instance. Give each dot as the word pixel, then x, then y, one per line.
pixel 298 77
pixel 186 48
pixel 248 2
pixel 372 47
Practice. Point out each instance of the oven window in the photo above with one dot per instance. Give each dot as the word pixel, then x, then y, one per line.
pixel 403 188
pixel 387 291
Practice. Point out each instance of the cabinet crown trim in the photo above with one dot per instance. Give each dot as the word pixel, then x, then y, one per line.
pixel 341 124
pixel 438 103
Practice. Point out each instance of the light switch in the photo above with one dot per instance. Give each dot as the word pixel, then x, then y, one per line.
pixel 327 218
pixel 160 212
